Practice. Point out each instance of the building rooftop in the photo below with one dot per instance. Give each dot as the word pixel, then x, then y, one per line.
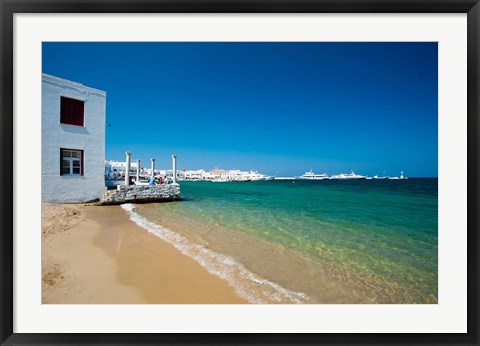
pixel 70 84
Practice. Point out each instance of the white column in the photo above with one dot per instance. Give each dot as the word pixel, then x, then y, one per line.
pixel 127 172
pixel 153 167
pixel 174 168
pixel 138 170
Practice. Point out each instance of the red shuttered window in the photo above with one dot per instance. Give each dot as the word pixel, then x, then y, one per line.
pixel 71 111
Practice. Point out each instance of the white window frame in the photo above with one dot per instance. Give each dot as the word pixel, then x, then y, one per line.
pixel 71 160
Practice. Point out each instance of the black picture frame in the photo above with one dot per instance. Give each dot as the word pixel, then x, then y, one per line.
pixel 10 7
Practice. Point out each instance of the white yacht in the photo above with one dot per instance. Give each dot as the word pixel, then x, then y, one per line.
pixel 240 178
pixel 221 180
pixel 312 176
pixel 380 178
pixel 398 178
pixel 255 176
pixel 348 176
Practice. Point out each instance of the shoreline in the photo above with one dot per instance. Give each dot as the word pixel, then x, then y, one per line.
pixel 312 280
pixel 116 255
pixel 95 254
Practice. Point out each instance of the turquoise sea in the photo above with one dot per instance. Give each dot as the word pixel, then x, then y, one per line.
pixel 329 241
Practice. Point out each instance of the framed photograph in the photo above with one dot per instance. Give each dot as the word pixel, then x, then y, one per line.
pixel 240 172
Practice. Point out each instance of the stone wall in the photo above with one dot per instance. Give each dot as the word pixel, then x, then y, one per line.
pixel 141 194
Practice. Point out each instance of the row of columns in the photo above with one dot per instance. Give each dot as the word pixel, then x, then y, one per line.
pixel 127 173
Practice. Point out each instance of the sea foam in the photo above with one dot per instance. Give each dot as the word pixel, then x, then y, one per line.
pixel 247 284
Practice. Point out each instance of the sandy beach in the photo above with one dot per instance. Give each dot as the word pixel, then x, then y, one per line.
pixel 96 255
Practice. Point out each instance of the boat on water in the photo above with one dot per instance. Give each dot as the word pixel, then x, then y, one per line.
pixel 380 178
pixel 285 178
pixel 384 176
pixel 240 179
pixel 221 180
pixel 398 178
pixel 312 176
pixel 348 176
pixel 255 176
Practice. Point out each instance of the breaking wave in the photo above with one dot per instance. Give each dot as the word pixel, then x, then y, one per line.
pixel 247 284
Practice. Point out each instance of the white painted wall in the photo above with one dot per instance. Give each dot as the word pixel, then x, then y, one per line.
pixel 89 138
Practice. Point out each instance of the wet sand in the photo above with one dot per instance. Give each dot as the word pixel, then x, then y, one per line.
pixel 96 255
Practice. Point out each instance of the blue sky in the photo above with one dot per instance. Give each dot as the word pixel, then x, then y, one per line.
pixel 279 108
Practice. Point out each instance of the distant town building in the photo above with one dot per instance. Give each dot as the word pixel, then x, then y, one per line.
pixel 73 141
pixel 118 168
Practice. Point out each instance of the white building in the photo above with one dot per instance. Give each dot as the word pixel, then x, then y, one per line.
pixel 73 141
pixel 118 169
pixel 190 174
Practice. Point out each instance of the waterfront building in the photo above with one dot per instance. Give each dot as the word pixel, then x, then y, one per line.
pixel 191 174
pixel 118 169
pixel 73 141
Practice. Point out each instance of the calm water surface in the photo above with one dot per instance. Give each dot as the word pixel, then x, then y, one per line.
pixel 363 241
